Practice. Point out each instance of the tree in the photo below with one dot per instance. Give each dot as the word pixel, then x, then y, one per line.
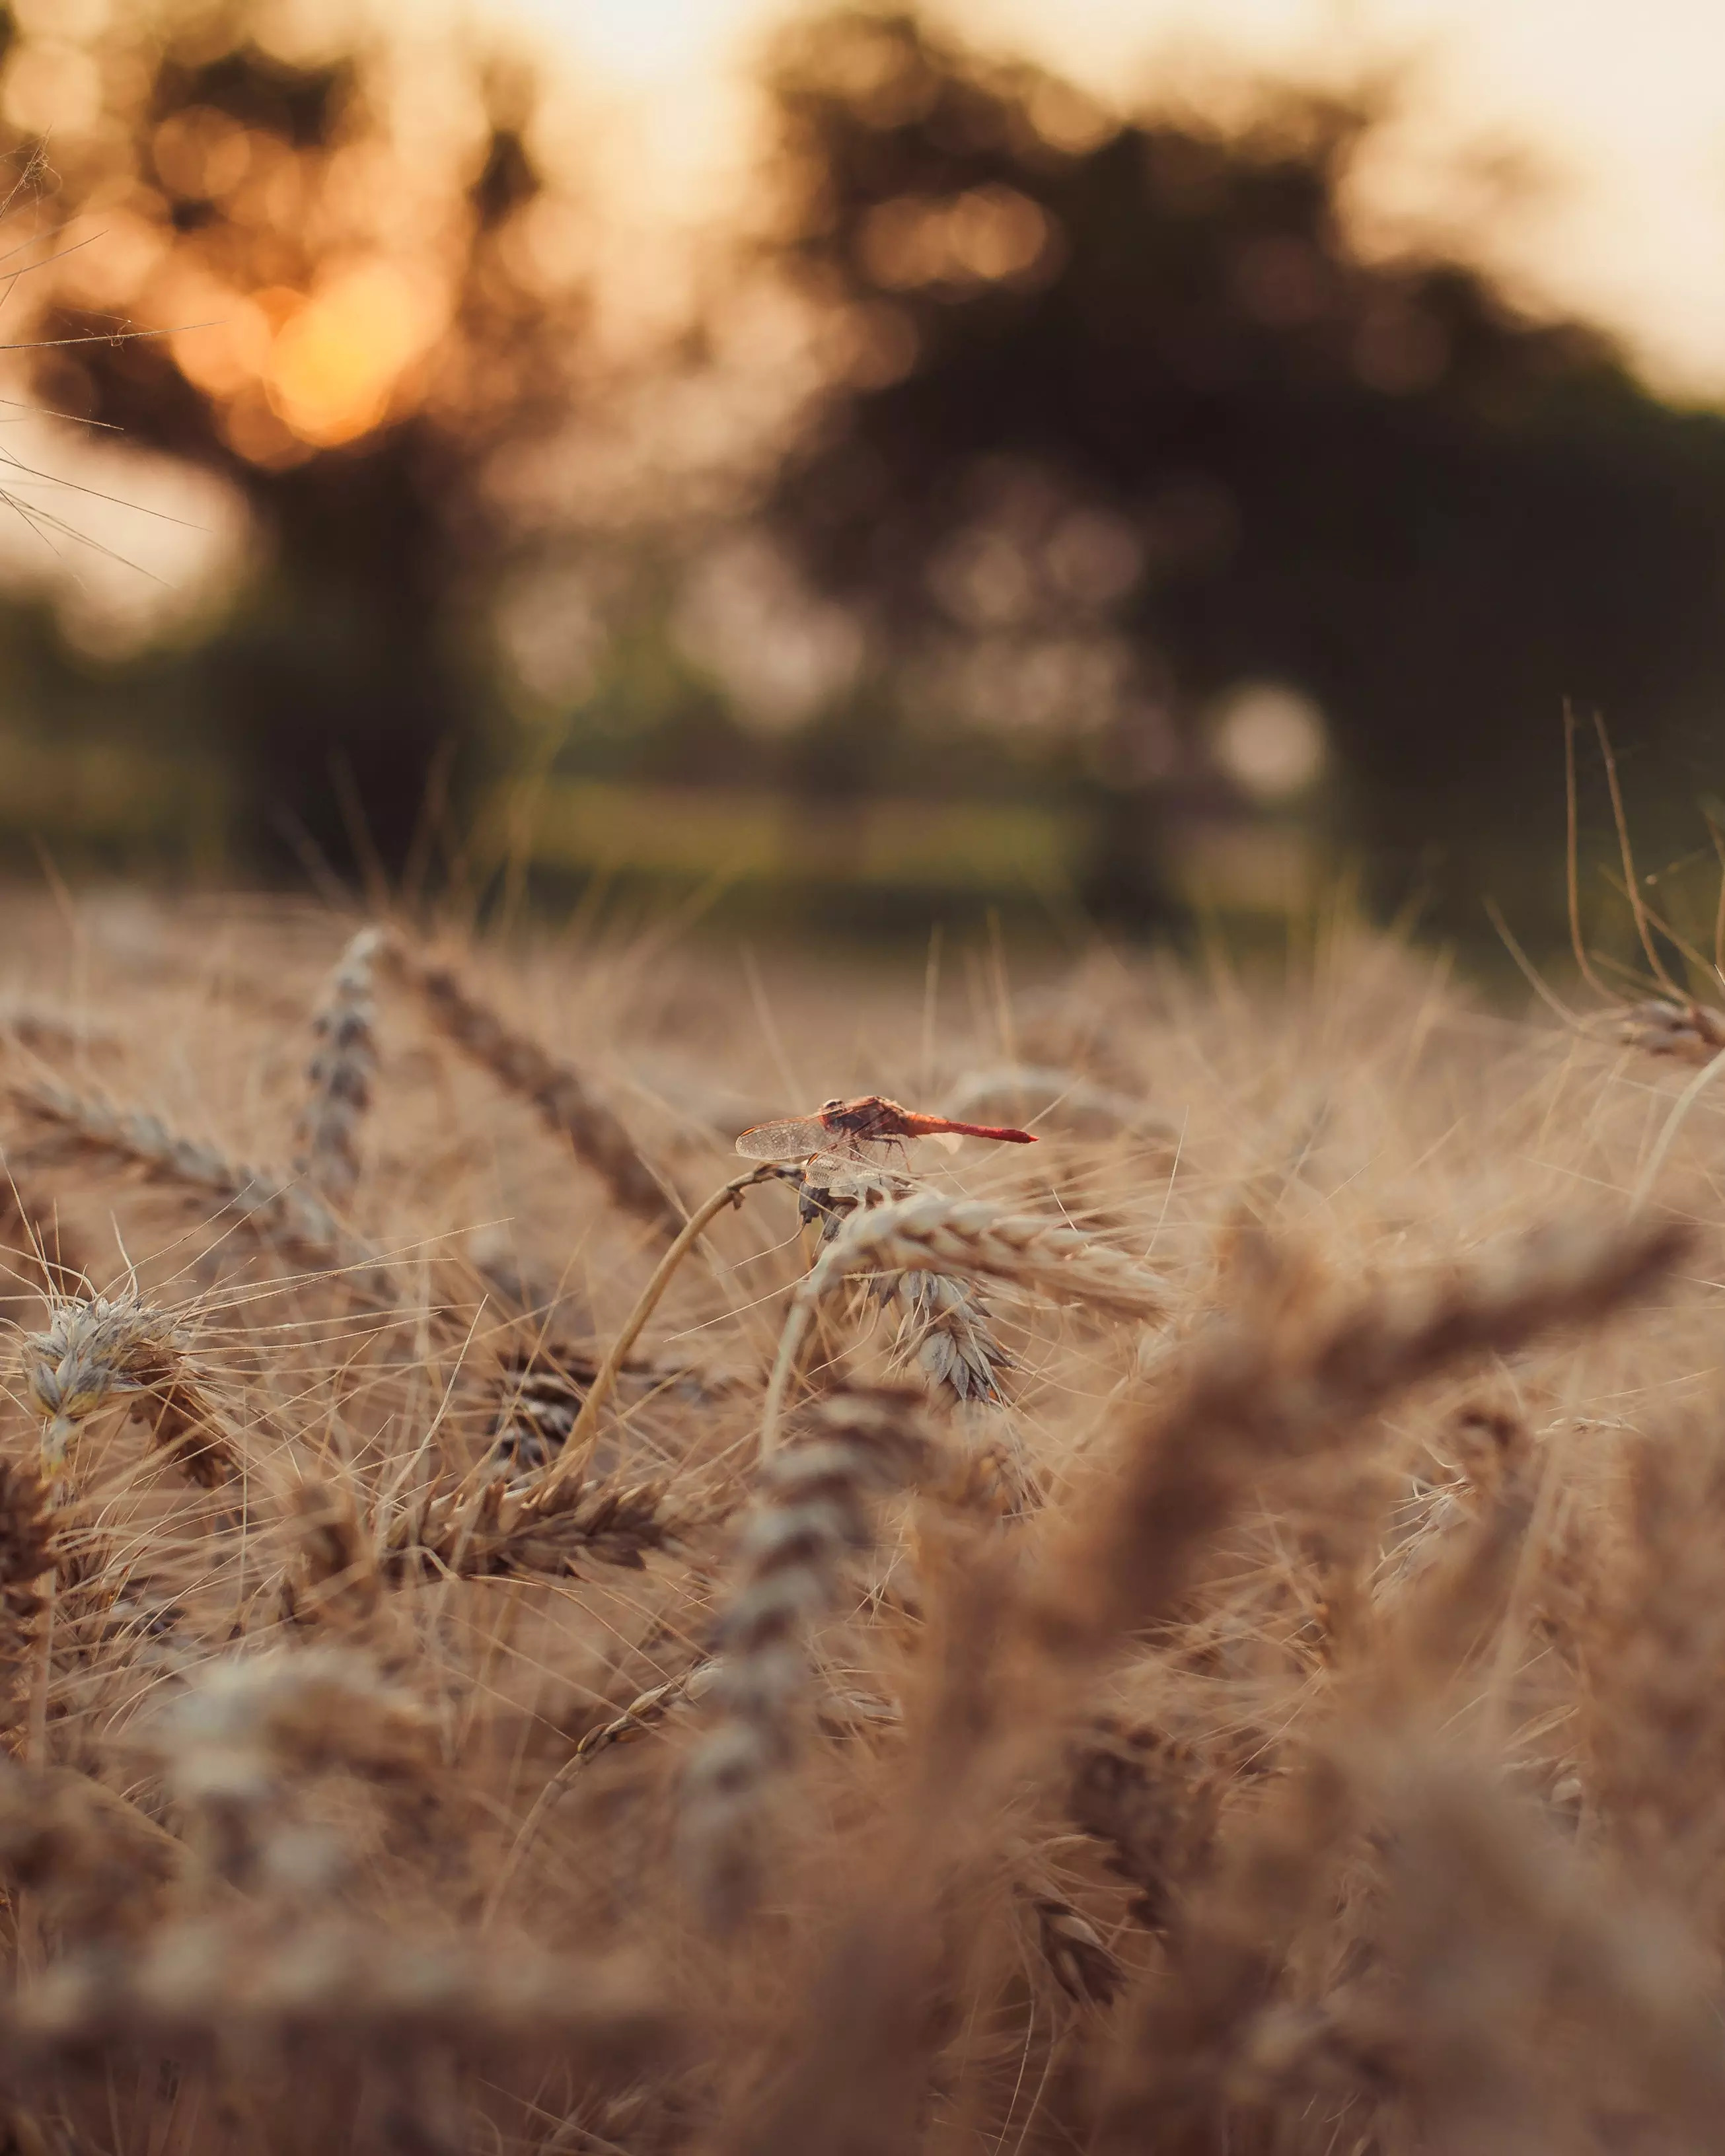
pixel 1132 387
pixel 355 271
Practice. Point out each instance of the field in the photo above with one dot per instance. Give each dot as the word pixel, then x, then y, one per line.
pixel 1203 1635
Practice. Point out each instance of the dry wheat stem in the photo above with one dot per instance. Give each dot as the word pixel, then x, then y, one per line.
pixel 572 1462
pixel 929 1233
pixel 26 1581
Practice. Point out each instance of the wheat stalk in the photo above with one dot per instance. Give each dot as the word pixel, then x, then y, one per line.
pixel 571 1462
pixel 26 1561
pixel 563 1096
pixel 956 1237
pixel 341 1071
pixel 96 1350
pixel 814 1507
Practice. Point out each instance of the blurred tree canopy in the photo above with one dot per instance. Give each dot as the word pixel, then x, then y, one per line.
pixel 1077 426
pixel 353 278
pixel 1122 417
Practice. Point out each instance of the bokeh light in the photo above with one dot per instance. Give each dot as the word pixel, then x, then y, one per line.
pixel 1270 740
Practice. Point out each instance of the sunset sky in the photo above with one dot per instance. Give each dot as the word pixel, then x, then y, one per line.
pixel 1621 106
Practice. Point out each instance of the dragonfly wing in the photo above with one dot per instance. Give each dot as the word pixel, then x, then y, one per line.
pixel 793 1140
pixel 865 1152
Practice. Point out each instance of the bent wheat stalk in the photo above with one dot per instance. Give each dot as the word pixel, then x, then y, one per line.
pixel 934 1234
pixel 572 1460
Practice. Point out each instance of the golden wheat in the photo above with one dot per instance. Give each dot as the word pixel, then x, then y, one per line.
pixel 812 1506
pixel 97 1350
pixel 341 1071
pixel 1275 1707
pixel 563 1096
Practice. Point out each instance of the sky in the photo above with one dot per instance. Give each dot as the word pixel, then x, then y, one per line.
pixel 1620 105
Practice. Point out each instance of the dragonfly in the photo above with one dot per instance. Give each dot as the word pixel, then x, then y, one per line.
pixel 870 1132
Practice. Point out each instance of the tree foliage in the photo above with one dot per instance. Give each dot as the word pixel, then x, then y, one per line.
pixel 346 263
pixel 1132 390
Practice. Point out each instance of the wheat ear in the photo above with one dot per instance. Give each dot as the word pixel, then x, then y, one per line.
pixel 956 1237
pixel 647 1709
pixel 278 1210
pixel 814 1507
pixel 482 1528
pixel 195 1988
pixel 1078 1956
pixel 235 1743
pixel 943 1327
pixel 96 1350
pixel 563 1096
pixel 1149 1801
pixel 946 1332
pixel 341 1071
pixel 1303 1374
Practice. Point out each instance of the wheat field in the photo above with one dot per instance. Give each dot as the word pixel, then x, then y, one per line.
pixel 523 1631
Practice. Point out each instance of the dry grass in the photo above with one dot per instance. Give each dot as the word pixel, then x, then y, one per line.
pixel 1202 1634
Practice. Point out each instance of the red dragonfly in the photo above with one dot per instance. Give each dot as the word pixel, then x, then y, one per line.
pixel 870 1132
